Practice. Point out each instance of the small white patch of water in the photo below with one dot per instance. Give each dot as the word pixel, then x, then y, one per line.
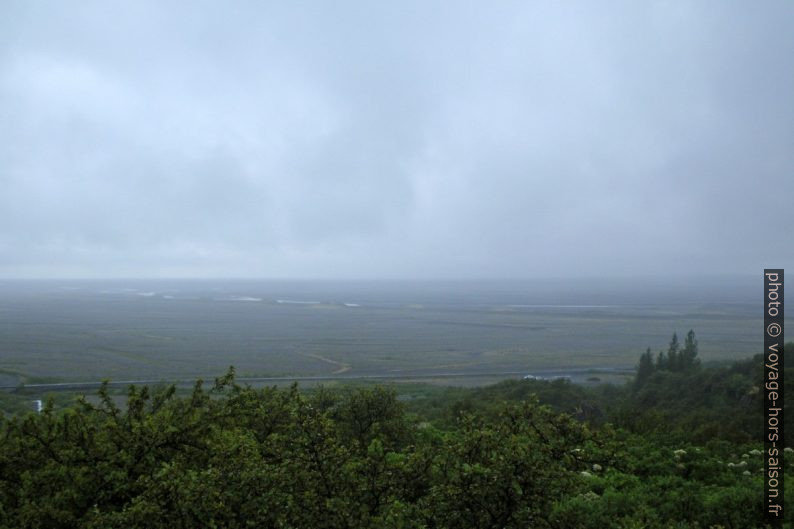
pixel 560 306
pixel 238 298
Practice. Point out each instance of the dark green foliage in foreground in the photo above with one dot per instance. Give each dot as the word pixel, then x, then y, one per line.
pixel 694 405
pixel 239 457
pixel 664 453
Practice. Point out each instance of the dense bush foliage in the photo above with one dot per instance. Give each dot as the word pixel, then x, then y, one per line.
pixel 239 457
pixel 657 453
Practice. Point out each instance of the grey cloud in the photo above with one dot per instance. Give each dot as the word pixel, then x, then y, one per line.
pixel 383 140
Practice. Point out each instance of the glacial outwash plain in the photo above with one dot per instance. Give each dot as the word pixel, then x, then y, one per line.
pixel 170 330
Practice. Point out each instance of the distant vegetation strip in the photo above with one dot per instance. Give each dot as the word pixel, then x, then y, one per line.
pixel 56 386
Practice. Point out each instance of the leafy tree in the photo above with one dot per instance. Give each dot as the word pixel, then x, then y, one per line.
pixel 690 351
pixel 644 369
pixel 673 356
pixel 662 362
pixel 508 473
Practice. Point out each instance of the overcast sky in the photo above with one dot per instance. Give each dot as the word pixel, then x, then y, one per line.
pixel 395 139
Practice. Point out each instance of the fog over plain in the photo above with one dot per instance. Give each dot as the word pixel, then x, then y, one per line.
pixel 395 140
